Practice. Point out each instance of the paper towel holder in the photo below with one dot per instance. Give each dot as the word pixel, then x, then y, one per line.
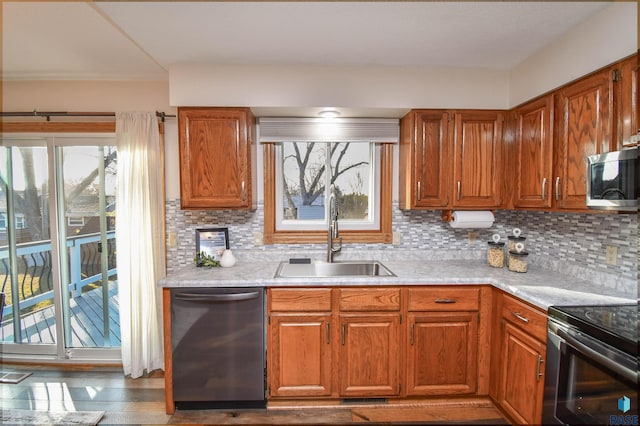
pixel 447 215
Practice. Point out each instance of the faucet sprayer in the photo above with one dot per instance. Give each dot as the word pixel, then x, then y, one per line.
pixel 333 233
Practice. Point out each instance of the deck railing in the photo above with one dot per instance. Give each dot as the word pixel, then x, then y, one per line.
pixel 35 269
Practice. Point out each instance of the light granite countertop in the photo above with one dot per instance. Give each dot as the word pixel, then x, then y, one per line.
pixel 538 286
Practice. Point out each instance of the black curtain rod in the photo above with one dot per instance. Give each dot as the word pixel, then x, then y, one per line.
pixel 50 114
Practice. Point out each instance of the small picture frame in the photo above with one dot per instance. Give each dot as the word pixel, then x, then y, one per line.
pixel 211 241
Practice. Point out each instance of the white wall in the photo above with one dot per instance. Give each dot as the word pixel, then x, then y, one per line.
pixel 336 86
pixel 606 37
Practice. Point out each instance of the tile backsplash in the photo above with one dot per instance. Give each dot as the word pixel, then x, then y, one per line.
pixel 573 243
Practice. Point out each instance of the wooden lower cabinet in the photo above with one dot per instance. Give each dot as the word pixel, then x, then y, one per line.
pixel 369 360
pixel 518 362
pixel 442 353
pixel 385 341
pixel 299 342
pixel 300 355
pixel 522 381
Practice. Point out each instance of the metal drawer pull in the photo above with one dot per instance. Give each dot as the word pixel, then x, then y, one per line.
pixel 243 192
pixel 459 190
pixel 445 300
pixel 557 188
pixel 544 188
pixel 520 317
pixel 539 370
pixel 411 337
pixel 328 326
pixel 344 331
pixel 419 190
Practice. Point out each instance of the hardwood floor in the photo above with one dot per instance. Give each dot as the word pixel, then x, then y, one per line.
pixel 141 401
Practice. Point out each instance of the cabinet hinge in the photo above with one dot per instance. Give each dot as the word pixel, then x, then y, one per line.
pixel 400 318
pixel 615 75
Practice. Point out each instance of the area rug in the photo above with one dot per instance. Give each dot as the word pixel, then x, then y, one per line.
pixel 12 377
pixel 28 417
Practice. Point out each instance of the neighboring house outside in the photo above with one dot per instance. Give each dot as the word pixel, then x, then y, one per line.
pixel 300 212
pixel 82 217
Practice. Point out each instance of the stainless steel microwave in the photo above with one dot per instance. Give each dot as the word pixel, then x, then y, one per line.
pixel 612 180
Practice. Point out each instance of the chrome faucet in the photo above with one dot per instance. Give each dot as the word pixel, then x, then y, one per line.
pixel 333 233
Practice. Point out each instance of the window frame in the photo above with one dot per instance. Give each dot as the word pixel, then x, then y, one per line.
pixel 274 236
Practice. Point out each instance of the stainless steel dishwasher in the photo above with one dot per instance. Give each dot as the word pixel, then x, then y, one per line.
pixel 217 339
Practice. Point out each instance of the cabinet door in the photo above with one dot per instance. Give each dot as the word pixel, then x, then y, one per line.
pixel 583 118
pixel 300 355
pixel 369 354
pixel 522 375
pixel 215 157
pixel 477 176
pixel 442 353
pixel 534 154
pixel 425 159
pixel 626 102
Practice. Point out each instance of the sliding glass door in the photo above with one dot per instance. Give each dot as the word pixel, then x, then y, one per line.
pixel 57 247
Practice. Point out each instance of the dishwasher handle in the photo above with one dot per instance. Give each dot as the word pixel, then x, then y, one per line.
pixel 216 298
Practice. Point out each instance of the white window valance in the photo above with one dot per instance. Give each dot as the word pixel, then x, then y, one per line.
pixel 286 129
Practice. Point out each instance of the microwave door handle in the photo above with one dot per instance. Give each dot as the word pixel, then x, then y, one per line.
pixel 625 372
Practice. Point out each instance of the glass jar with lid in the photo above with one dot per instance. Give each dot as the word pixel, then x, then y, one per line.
pixel 515 239
pixel 518 259
pixel 495 252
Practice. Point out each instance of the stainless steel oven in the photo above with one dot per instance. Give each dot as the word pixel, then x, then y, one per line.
pixel 592 365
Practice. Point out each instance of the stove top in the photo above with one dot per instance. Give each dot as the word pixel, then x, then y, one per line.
pixel 616 325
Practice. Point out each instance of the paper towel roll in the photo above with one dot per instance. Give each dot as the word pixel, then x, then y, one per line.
pixel 471 219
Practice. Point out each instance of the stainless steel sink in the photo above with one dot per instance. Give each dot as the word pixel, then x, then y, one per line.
pixel 371 268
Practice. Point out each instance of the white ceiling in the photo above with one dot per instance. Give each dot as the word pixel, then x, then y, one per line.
pixel 141 40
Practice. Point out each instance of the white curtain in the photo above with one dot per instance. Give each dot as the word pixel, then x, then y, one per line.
pixel 140 241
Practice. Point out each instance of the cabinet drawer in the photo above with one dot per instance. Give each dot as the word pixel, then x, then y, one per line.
pixel 444 299
pixel 524 316
pixel 370 299
pixel 300 299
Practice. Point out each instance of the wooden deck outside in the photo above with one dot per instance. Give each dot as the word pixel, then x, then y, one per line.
pixel 87 324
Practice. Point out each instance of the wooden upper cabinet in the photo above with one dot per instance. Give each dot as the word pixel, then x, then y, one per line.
pixel 477 171
pixel 425 162
pixel 626 102
pixel 217 157
pixel 583 126
pixel 533 149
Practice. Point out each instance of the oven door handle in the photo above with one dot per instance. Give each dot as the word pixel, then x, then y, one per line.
pixel 572 340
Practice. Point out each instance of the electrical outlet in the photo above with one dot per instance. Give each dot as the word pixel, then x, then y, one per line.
pixel 396 238
pixel 258 239
pixel 472 236
pixel 611 255
pixel 172 239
